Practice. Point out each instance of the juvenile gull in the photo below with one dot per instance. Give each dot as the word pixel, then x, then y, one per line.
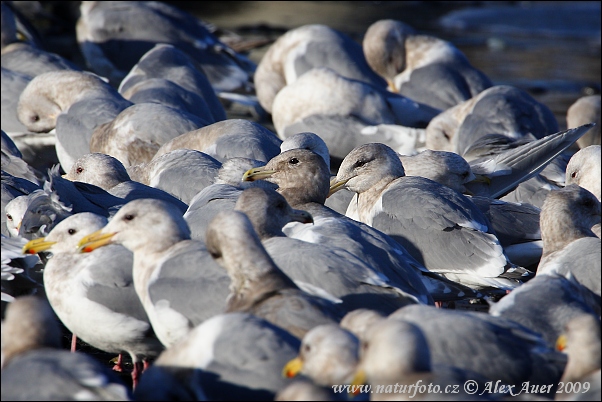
pixel 423 68
pixel 182 173
pixel 93 294
pixel 176 278
pixel 438 226
pixel 33 367
pixel 229 356
pixel 304 48
pixel 570 248
pixel 228 139
pixel 302 178
pixel 109 174
pixel 135 135
pixel 329 269
pixel 258 286
pixel 37 213
pixel 586 110
pixel 75 103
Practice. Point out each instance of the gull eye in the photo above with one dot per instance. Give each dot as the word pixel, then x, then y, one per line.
pixel 464 175
pixel 280 205
pixel 588 202
pixel 35 118
pixel 128 217
pixel 9 217
pixel 574 174
pixel 359 163
pixel 72 231
pixel 293 161
pixel 79 169
pixel 306 348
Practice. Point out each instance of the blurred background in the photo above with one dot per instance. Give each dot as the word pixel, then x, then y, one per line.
pixel 550 49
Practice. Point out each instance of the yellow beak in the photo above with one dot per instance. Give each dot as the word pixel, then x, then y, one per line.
pixel 336 186
pixel 561 343
pixel 358 379
pixel 292 368
pixel 94 240
pixel 257 174
pixel 36 245
pixel 479 178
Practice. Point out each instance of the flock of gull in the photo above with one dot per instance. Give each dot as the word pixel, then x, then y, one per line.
pixel 408 225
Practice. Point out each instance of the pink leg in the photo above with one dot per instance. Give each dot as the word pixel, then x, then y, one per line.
pixel 136 374
pixel 119 365
pixel 439 304
pixel 145 364
pixel 73 342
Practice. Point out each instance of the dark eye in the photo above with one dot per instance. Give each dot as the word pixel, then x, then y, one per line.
pixel 35 118
pixel 359 163
pixel 588 202
pixel 79 169
pixel 293 161
pixel 464 175
pixel 574 174
pixel 72 231
pixel 306 348
pixel 280 205
pixel 128 217
pixel 9 217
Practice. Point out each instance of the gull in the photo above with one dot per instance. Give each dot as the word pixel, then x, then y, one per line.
pixel 304 48
pixel 424 68
pixel 93 294
pixel 438 226
pixel 109 174
pixel 317 266
pixel 258 286
pixel 229 356
pixel 175 277
pixel 34 367
pixel 570 248
pixel 303 178
pixel 586 110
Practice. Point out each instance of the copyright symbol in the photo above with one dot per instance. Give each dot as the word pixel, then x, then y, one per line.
pixel 471 387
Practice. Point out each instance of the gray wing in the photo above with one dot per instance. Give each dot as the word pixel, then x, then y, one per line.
pixel 167 93
pixel 74 129
pixel 193 283
pixel 339 273
pixel 208 203
pixel 533 191
pixel 340 200
pixel 112 286
pixel 546 304
pixel 48 374
pixel 258 145
pixel 168 62
pixel 509 111
pixel 182 173
pixel 443 230
pixel 30 60
pixel 492 346
pixel 442 85
pixel 131 190
pixel 519 164
pixel 13 84
pixel 579 260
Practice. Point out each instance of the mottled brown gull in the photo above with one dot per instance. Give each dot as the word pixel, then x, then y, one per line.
pixel 570 248
pixel 424 68
pixel 176 279
pixel 318 266
pixel 303 179
pixel 586 110
pixel 93 294
pixel 34 367
pixel 258 286
pixel 438 226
